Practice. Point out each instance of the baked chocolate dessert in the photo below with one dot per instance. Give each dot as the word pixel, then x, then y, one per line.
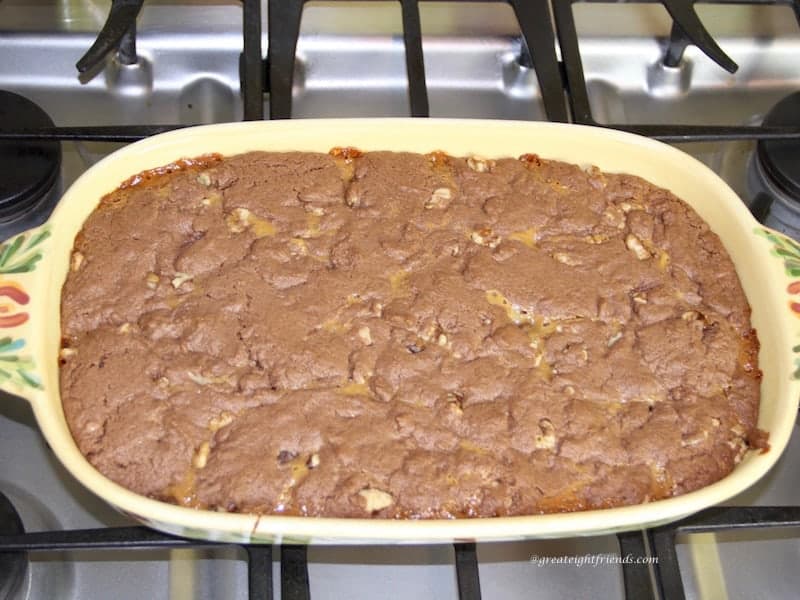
pixel 404 336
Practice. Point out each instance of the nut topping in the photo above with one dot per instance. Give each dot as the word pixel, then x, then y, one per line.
pixel 180 279
pixel 238 220
pixel 352 197
pixel 566 259
pixel 375 499
pixel 66 353
pixel 634 244
pixel 480 164
pixel 439 199
pixel 365 335
pixel 614 339
pixel 546 439
pixel 455 402
pixel 76 261
pixel 485 237
pixel 201 458
pixel 223 420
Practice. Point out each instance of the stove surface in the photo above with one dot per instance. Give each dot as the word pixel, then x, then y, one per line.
pixel 188 73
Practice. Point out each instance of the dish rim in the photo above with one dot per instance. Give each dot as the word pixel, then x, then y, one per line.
pixel 44 284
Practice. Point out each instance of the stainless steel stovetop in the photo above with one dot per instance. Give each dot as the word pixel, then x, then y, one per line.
pixel 351 63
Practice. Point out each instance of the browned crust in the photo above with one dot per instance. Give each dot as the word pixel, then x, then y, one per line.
pixel 404 336
pixel 182 164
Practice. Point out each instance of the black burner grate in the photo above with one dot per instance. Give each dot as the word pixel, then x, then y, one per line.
pixel 294 563
pixel 639 579
pixel 13 565
pixel 533 17
pixel 275 74
pixel 724 518
pixel 686 29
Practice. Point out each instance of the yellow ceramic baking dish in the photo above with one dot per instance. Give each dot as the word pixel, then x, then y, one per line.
pixel 34 264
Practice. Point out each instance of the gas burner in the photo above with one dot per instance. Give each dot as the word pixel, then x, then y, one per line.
pixel 774 173
pixel 13 565
pixel 780 159
pixel 30 168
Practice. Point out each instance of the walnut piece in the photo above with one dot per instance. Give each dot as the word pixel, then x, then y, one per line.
pixel 455 402
pixel 77 261
pixel 485 237
pixel 440 198
pixel 634 244
pixel 546 439
pixel 614 339
pixel 238 220
pixel 480 164
pixel 375 499
pixel 65 353
pixel 566 259
pixel 180 279
pixel 216 423
pixel 352 198
pixel 365 335
pixel 201 457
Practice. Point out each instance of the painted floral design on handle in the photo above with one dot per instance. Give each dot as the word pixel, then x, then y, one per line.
pixel 18 255
pixel 788 250
pixel 9 316
pixel 15 367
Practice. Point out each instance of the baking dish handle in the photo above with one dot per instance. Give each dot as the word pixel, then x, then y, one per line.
pixel 788 251
pixel 20 256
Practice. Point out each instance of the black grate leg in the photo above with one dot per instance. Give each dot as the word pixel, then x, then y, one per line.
pixel 259 572
pixel 415 63
pixel 252 83
pixel 294 573
pixel 469 581
pixel 573 67
pixel 118 32
pixel 13 565
pixel 636 577
pixel 678 41
pixel 283 30
pixel 685 17
pixel 534 23
pixel 667 570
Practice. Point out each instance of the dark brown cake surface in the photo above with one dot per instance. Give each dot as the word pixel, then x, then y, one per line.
pixel 405 335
